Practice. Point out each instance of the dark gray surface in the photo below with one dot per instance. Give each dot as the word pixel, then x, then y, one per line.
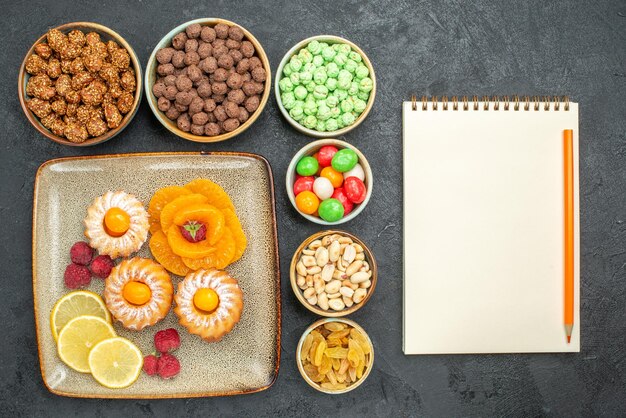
pixel 428 47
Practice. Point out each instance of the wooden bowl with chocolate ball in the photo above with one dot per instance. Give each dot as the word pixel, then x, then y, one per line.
pixel 208 80
pixel 80 84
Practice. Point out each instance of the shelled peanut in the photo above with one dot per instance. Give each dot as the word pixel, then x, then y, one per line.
pixel 335 355
pixel 333 273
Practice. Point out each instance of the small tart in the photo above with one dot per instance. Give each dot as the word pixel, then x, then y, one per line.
pixel 211 326
pixel 153 275
pixel 125 244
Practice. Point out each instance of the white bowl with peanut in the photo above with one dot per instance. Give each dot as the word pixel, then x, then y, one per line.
pixel 333 273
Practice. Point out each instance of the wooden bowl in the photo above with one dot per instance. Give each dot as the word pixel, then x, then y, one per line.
pixel 369 257
pixel 317 386
pixel 330 39
pixel 151 76
pixel 310 149
pixel 106 34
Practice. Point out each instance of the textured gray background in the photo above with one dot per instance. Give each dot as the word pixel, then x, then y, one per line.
pixel 425 47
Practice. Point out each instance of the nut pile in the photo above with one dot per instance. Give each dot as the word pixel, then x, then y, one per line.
pixel 210 79
pixel 335 355
pixel 80 86
pixel 333 273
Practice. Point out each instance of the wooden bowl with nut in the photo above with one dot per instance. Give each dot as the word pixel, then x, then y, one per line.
pixel 80 84
pixel 333 273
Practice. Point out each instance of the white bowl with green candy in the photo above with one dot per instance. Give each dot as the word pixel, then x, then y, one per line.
pixel 325 86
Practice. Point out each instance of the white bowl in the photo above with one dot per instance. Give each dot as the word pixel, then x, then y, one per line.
pixel 330 39
pixel 311 149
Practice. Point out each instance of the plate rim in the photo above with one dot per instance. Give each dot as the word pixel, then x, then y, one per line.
pixel 37 181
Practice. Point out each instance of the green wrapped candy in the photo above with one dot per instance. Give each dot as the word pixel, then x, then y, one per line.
pixel 320 76
pixel 288 99
pixel 310 86
pixel 344 49
pixel 305 77
pixel 323 112
pixel 340 59
pixel 300 92
pixel 297 113
pixel 295 78
pixel 321 126
pixel 295 64
pixel 310 108
pixel 340 123
pixel 331 125
pixel 320 92
pixel 346 106
pixel 355 56
pixel 359 105
pixel 353 90
pixel 343 83
pixel 324 45
pixel 307 166
pixel 363 95
pixel 361 71
pixel 285 84
pixel 348 119
pixel 366 84
pixel 305 55
pixel 310 122
pixel 318 61
pixel 335 47
pixel 299 103
pixel 287 70
pixel 344 159
pixel 332 101
pixel 310 67
pixel 350 66
pixel 328 54
pixel 341 94
pixel 331 210
pixel 335 112
pixel 332 70
pixel 331 84
pixel 314 47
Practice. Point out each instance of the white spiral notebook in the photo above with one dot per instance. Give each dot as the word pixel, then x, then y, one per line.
pixel 484 226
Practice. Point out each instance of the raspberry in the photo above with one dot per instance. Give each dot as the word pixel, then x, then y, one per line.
pixel 102 265
pixel 81 253
pixel 166 340
pixel 76 276
pixel 193 231
pixel 168 366
pixel 150 364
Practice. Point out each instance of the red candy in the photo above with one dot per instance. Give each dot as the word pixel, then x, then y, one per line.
pixel 325 155
pixel 355 189
pixel 303 184
pixel 340 195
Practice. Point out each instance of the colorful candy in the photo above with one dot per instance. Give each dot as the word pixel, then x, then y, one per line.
pixel 329 183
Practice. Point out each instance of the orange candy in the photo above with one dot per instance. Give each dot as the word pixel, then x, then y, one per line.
pixel 307 202
pixel 206 300
pixel 116 222
pixel 335 177
pixel 137 293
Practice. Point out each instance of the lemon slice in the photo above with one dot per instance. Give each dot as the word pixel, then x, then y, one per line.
pixel 115 362
pixel 80 302
pixel 78 337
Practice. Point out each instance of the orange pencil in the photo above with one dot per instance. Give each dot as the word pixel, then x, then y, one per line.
pixel 568 184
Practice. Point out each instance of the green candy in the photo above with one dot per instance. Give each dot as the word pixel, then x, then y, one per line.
pixel 310 86
pixel 323 112
pixel 310 67
pixel 318 61
pixel 332 70
pixel 295 64
pixel 297 113
pixel 346 106
pixel 328 54
pixel 320 92
pixel 340 59
pixel 288 99
pixel 344 75
pixel 341 94
pixel 320 76
pixel 344 49
pixel 295 78
pixel 363 95
pixel 307 166
pixel 366 84
pixel 305 56
pixel 348 119
pixel 361 71
pixel 300 92
pixel 343 83
pixel 353 90
pixel 305 77
pixel 335 47
pixel 299 103
pixel 321 126
pixel 323 45
pixel 310 108
pixel 285 84
pixel 332 101
pixel 335 112
pixel 331 210
pixel 314 47
pixel 355 56
pixel 350 66
pixel 287 70
pixel 359 105
pixel 344 159
pixel 331 125
pixel 310 122
pixel 340 123
pixel 331 84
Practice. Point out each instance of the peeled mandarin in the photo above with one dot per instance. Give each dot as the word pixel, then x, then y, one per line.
pixel 206 300
pixel 116 222
pixel 137 293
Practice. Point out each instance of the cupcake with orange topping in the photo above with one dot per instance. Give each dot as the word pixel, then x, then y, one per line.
pixel 116 224
pixel 209 303
pixel 138 293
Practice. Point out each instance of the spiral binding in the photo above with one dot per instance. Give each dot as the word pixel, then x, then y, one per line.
pixel 507 103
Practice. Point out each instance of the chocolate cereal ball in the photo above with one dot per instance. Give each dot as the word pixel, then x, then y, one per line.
pixel 211 129
pixel 209 106
pixel 218 98
pixel 197 129
pixel 258 74
pixel 158 89
pixel 192 58
pixel 236 54
pixel 205 50
pixel 234 81
pixel 225 61
pixel 163 104
pixel 183 83
pixel 165 69
pixel 235 33
pixel 178 59
pixel 232 44
pixel 207 34
pixel 249 88
pixel 169 80
pixel 200 118
pixel 243 66
pixel 196 105
pixel 164 55
pixel 172 113
pixel 243 115
pixel 220 113
pixel 208 65
pixel 178 41
pixel 204 89
pixel 183 122
pixel 170 92
pixel 247 49
pixel 252 103
pixel 194 73
pixel 232 110
pixel 219 50
pixel 221 30
pixel 220 75
pixel 231 124
pixel 219 88
pixel 184 98
pixel 193 30
pixel 255 62
pixel 191 45
pixel 236 96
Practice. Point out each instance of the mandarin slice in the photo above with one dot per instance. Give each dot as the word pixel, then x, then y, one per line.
pixel 163 253
pixel 181 202
pixel 214 192
pixel 180 246
pixel 220 258
pixel 232 222
pixel 161 198
pixel 209 215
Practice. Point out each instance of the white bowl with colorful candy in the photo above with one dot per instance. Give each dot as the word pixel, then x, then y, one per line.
pixel 325 86
pixel 329 181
